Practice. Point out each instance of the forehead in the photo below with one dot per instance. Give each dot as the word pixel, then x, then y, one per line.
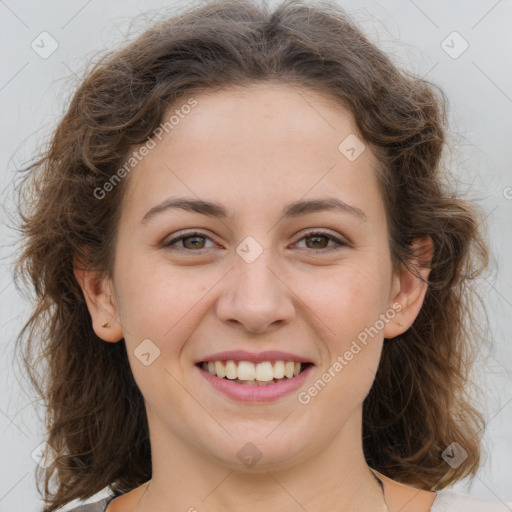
pixel 284 113
pixel 267 142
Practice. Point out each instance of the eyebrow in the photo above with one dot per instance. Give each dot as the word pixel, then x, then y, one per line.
pixel 291 210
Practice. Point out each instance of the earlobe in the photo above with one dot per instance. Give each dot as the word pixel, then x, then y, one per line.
pixel 410 287
pixel 98 293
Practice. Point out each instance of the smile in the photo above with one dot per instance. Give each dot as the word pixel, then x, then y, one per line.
pixel 248 382
pixel 249 373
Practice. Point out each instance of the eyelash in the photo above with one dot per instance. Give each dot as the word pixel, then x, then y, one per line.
pixel 309 234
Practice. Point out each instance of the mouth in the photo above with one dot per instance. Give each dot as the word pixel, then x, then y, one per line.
pixel 248 373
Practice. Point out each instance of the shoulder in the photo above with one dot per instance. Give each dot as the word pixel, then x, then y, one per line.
pixel 96 506
pixel 451 501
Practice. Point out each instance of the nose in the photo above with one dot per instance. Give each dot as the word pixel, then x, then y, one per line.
pixel 255 296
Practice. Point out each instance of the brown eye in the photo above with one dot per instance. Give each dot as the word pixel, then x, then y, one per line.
pixel 193 242
pixel 317 241
pixel 190 241
pixel 320 240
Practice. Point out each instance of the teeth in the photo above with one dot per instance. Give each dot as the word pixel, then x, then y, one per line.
pixel 231 370
pixel 288 369
pixel 246 372
pixel 264 371
pixel 279 370
pixel 220 369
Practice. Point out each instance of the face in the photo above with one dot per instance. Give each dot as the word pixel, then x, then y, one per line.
pixel 267 280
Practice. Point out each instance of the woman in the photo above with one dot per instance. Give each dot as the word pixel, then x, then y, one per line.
pixel 252 281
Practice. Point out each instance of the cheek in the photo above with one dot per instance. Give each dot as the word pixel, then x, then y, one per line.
pixel 159 302
pixel 347 307
pixel 345 300
pixel 160 307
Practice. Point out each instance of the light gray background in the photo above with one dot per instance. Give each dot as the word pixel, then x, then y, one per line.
pixel 478 82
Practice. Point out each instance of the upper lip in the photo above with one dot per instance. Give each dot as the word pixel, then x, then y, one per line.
pixel 243 355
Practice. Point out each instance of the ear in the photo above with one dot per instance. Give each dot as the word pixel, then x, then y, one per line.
pixel 98 293
pixel 408 290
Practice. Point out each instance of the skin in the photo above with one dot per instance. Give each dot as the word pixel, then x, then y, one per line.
pixel 255 150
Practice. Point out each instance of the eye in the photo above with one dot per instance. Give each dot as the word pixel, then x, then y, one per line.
pixel 189 241
pixel 196 241
pixel 320 239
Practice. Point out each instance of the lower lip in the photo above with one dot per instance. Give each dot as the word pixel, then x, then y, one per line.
pixel 256 393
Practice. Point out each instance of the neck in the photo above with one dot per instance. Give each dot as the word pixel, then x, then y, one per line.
pixel 336 478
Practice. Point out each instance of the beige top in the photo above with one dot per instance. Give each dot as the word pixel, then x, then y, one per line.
pixel 446 501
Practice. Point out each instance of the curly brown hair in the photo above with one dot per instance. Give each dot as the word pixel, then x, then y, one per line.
pixel 96 418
